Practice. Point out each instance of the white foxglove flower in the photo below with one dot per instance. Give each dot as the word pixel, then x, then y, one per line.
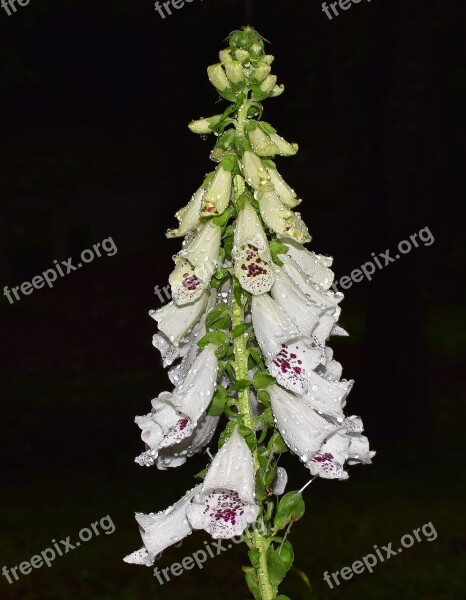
pixel 303 430
pixel 283 190
pixel 195 265
pixel 174 321
pixel 175 456
pixel 326 325
pixel 175 415
pixel 304 313
pixel 319 295
pixel 281 219
pixel 315 266
pixel 161 530
pixel 331 370
pixel 187 349
pixel 218 193
pixel 225 505
pixel 343 446
pixel 284 147
pixel 251 253
pixel 288 357
pixel 255 173
pixel 189 217
pixel 327 397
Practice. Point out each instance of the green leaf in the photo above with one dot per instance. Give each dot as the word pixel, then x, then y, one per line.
pixel 262 380
pixel 218 402
pixel 258 358
pixel 290 508
pixel 222 219
pixel 263 397
pixel 208 178
pixel 229 163
pixel 240 384
pixel 254 557
pixel 279 561
pixel 276 444
pixel 240 329
pixel 275 250
pixel 219 318
pixel 231 372
pixel 267 128
pixel 213 337
pixel 267 416
pixel 253 582
pixel 238 294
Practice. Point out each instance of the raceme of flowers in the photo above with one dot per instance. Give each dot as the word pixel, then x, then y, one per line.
pixel 245 340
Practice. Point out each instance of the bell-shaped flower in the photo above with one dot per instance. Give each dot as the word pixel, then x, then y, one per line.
pixel 219 80
pixel 269 84
pixel 225 505
pixel 325 327
pixel 315 266
pixel 319 295
pixel 161 530
pixel 281 219
pixel 255 172
pixel 304 313
pixel 175 321
pixel 187 349
pixel 189 216
pixel 283 190
pixel 331 370
pixel 343 446
pixel 175 415
pixel 303 430
pixel 251 253
pixel 218 193
pixel 175 456
pixel 327 397
pixel 195 265
pixel 288 357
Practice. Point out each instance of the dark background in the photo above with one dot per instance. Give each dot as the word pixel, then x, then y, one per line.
pixel 95 101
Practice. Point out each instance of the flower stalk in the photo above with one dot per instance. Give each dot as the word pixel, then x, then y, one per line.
pixel 245 339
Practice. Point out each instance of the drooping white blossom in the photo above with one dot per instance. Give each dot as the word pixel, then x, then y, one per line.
pixel 195 264
pixel 287 196
pixel 225 504
pixel 175 415
pixel 255 172
pixel 251 253
pixel 303 430
pixel 161 530
pixel 289 357
pixel 315 266
pixel 175 321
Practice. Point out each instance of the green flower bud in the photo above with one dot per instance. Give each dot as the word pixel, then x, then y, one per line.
pixel 243 56
pixel 262 72
pixel 268 85
pixel 256 50
pixel 225 56
pixel 218 77
pixel 278 90
pixel 268 59
pixel 204 126
pixel 234 71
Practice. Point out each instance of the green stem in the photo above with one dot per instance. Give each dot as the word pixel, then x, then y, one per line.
pixel 244 406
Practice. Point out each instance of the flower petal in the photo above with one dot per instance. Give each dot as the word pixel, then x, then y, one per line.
pixel 319 295
pixel 327 397
pixel 281 219
pixel 218 193
pixel 315 266
pixel 255 173
pixel 283 190
pixel 189 217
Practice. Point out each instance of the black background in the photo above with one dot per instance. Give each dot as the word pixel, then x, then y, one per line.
pixel 95 99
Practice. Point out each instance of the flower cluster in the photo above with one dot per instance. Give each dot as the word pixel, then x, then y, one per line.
pixel 245 337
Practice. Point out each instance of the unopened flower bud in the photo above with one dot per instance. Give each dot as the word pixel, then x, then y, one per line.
pixel 262 72
pixel 242 55
pixel 256 50
pixel 204 126
pixel 278 90
pixel 218 77
pixel 225 56
pixel 269 84
pixel 234 71
pixel 268 59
